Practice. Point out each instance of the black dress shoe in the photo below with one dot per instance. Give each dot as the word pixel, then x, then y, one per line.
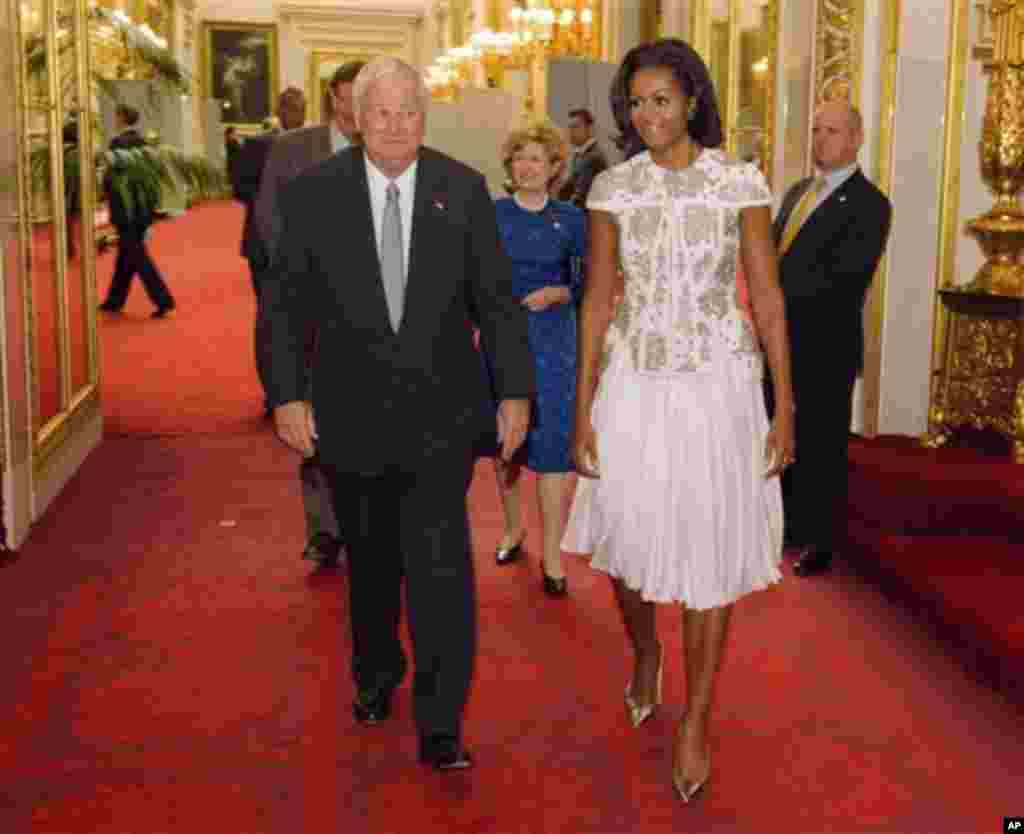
pixel 555 587
pixel 812 561
pixel 444 753
pixel 507 555
pixel 107 307
pixel 372 706
pixel 162 313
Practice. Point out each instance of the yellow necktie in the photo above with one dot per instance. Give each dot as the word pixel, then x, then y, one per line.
pixel 800 213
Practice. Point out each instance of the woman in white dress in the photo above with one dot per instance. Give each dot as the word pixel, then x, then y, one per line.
pixel 679 500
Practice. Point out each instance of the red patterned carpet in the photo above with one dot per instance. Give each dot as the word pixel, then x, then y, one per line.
pixel 171 666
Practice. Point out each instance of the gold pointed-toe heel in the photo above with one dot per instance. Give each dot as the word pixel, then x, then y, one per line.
pixel 688 791
pixel 639 713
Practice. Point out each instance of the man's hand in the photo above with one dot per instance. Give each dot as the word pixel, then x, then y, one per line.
pixel 295 426
pixel 513 421
pixel 546 297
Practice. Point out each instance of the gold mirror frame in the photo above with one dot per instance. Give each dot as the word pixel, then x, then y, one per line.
pixel 708 37
pixel 76 407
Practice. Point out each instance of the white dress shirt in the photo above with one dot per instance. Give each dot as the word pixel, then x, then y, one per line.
pixel 378 184
pixel 834 179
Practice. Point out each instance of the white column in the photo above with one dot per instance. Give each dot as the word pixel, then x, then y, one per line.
pixel 622 26
pixel 674 19
pixel 913 243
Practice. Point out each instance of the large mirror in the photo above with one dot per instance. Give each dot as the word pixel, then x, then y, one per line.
pixel 738 38
pixel 46 225
pixel 59 200
pixel 78 183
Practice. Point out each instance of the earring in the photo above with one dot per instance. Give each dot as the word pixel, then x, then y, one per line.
pixel 691 110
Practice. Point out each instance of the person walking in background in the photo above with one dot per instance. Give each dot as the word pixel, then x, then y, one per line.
pixel 588 160
pixel 679 499
pixel 390 248
pixel 291 154
pixel 132 219
pixel 546 241
pixel 252 160
pixel 830 232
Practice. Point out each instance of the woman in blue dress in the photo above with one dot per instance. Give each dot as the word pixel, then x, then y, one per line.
pixel 546 240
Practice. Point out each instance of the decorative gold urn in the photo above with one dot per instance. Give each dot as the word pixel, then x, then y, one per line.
pixel 1000 232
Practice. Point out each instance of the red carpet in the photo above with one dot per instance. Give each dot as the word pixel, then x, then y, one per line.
pixel 173 667
pixel 193 372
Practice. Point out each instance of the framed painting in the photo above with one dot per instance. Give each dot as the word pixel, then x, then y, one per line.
pixel 321 67
pixel 240 71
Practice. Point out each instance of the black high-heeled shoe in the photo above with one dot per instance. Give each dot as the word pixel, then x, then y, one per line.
pixel 554 587
pixel 507 555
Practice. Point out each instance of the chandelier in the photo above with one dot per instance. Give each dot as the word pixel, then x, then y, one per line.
pixel 558 28
pixel 537 30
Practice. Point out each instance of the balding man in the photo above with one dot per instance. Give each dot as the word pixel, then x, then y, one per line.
pixel 830 233
pixel 389 249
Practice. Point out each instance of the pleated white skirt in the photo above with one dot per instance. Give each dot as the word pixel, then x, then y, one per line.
pixel 682 511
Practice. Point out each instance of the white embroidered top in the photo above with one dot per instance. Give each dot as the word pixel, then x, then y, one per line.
pixel 678 245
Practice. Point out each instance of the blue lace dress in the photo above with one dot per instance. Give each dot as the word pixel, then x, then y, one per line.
pixel 546 248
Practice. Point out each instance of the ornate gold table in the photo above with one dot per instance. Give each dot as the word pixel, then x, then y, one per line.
pixel 981 382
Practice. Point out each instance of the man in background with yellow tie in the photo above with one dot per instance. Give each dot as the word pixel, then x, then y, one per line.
pixel 830 232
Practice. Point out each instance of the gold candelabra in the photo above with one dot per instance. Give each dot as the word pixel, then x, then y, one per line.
pixel 1000 231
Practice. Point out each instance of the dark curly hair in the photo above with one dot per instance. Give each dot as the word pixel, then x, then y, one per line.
pixel 704 127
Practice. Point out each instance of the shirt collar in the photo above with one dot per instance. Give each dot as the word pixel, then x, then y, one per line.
pixel 378 181
pixel 586 146
pixel 834 179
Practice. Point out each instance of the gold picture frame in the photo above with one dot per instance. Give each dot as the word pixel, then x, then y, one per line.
pixel 240 69
pixel 320 67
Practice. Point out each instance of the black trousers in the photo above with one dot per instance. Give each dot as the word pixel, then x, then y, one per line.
pixel 412 525
pixel 133 259
pixel 814 488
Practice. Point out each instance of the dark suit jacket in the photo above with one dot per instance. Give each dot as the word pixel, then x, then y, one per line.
pixel 248 171
pixel 577 187
pixel 290 155
pixel 826 272
pixel 385 401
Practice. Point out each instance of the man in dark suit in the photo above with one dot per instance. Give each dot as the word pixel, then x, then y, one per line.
pixel 300 149
pixel 291 154
pixel 132 223
pixel 248 174
pixel 830 233
pixel 390 249
pixel 587 161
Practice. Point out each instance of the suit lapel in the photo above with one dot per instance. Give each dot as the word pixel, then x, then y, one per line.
pixel 788 204
pixel 358 218
pixel 427 209
pixel 323 147
pixel 828 212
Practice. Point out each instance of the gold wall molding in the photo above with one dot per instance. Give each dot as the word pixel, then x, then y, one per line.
pixel 949 187
pixel 874 317
pixel 838 49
